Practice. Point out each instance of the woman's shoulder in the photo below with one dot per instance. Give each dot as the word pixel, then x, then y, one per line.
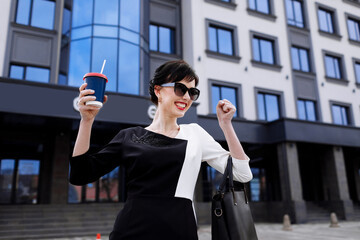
pixel 193 128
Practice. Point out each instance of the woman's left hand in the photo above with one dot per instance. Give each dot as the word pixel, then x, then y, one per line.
pixel 225 111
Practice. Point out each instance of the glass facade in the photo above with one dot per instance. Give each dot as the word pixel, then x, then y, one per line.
pixel 36 13
pixel 268 106
pixel 294 11
pixel 262 6
pixel 326 21
pixel 306 110
pixel 300 59
pixel 332 65
pixel 340 114
pixel 220 40
pixel 108 30
pixel 222 92
pixel 354 29
pixel 263 50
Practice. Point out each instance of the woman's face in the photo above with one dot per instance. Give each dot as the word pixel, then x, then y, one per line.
pixel 171 104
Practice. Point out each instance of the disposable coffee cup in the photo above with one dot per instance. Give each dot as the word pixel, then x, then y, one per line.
pixel 96 82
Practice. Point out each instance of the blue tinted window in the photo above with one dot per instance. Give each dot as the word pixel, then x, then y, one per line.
pixel 82 12
pixel 79 61
pixel 62 80
pixel 294 13
pixel 357 72
pixel 212 39
pixel 154 38
pixel 260 6
pixel 162 39
pixel 16 72
pixel 220 40
pixel 300 59
pixel 106 12
pixel 39 13
pixel 268 107
pixel 105 49
pixel 130 14
pixel 23 12
pixel 128 68
pixel 82 32
pixel 340 114
pixel 325 21
pixel 66 21
pixel 105 31
pixel 43 13
pixel 354 29
pixel 37 74
pixel 7 167
pixel 306 110
pixel 332 65
pixel 166 40
pixel 263 50
pixel 129 36
pixel 222 92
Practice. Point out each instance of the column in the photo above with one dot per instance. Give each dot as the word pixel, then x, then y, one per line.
pixel 60 169
pixel 338 191
pixel 291 188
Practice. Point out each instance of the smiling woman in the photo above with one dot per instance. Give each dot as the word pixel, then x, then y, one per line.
pixel 162 160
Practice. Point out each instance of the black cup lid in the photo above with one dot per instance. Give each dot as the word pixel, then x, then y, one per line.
pixel 94 74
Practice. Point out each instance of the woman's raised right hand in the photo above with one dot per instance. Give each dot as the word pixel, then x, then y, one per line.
pixel 87 112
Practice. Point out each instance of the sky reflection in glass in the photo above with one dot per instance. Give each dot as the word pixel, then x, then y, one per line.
pixel 82 12
pixel 37 74
pixel 130 14
pixel 79 61
pixel 43 14
pixel 129 61
pixel 16 72
pixel 106 12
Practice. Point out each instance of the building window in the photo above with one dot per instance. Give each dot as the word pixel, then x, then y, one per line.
pixel 262 6
pixel 263 50
pixel 295 14
pixel 300 59
pixel 354 29
pixel 340 114
pixel 36 13
pixel 326 20
pixel 162 39
pixel 223 92
pixel 29 73
pixel 306 110
pixel 220 40
pixel 268 106
pixel 20 181
pixel 357 71
pixel 333 67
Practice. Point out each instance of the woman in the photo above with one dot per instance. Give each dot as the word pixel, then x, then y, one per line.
pixel 162 161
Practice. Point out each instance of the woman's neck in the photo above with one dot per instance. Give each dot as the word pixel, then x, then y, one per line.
pixel 163 124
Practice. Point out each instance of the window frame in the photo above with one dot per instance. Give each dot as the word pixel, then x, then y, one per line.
pixel 269 16
pixel 357 77
pixel 281 104
pixel 239 98
pixel 302 12
pixel 25 66
pixel 308 59
pixel 343 78
pixel 349 112
pixel 277 64
pixel 231 4
pixel 335 22
pixel 235 44
pixel 355 19
pixel 315 109
pixel 31 15
pixel 172 30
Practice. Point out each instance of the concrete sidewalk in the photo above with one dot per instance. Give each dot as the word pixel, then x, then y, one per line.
pixel 270 231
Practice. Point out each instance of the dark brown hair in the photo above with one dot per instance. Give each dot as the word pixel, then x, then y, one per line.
pixel 172 71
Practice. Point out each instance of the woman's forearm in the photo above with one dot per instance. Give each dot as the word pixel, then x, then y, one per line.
pixel 236 150
pixel 82 143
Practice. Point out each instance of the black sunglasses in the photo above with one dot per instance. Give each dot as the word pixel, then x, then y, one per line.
pixel 180 90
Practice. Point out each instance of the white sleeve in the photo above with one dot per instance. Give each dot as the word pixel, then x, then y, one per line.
pixel 217 157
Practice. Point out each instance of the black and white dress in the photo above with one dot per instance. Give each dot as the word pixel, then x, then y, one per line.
pixel 161 174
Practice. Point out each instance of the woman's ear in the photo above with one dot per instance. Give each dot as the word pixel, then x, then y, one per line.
pixel 157 92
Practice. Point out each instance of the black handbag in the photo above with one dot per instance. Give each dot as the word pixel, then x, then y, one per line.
pixel 231 216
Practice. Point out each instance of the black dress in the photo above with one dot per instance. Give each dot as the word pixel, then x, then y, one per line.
pixel 161 175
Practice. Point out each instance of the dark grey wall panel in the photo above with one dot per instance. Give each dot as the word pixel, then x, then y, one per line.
pixel 305 87
pixel 299 38
pixel 163 13
pixel 31 49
